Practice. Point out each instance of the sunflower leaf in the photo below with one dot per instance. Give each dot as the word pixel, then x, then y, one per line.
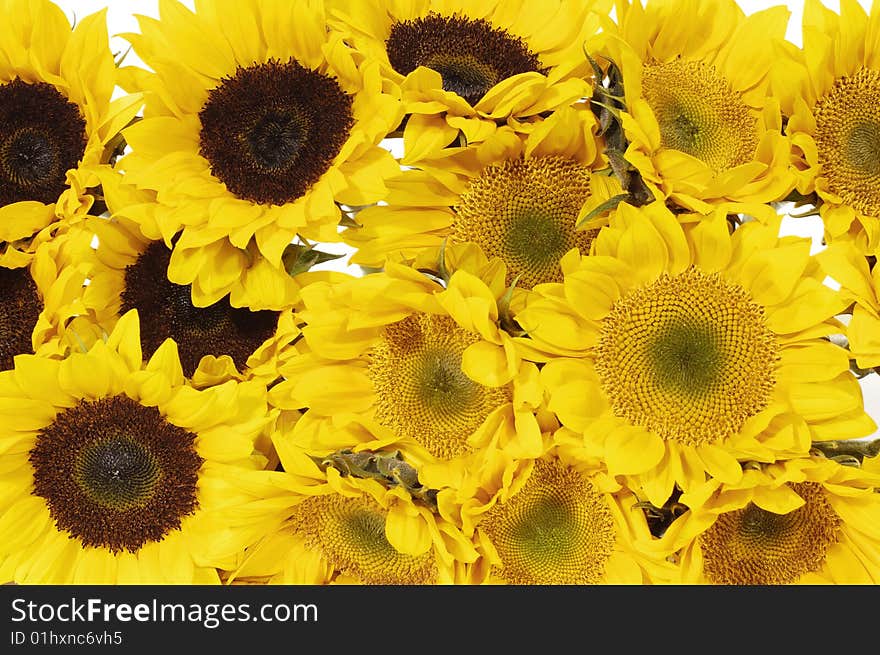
pixel 603 207
pixel 298 258
pixel 597 69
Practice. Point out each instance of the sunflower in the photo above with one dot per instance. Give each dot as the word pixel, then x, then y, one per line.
pixel 320 526
pixel 552 520
pixel 252 137
pixel 517 197
pixel 701 126
pixel 427 364
pixel 44 301
pixel 830 91
pixel 808 520
pixel 860 281
pixel 677 349
pixel 114 471
pixel 215 343
pixel 59 127
pixel 465 67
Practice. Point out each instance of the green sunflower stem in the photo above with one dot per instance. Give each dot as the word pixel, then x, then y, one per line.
pixel 799 199
pixel 608 104
pixel 347 219
pixel 505 318
pixel 660 518
pixel 389 468
pixel 115 147
pixel 847 451
pixel 861 372
pixel 442 272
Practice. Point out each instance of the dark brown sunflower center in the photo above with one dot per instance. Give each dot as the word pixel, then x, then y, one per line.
pixel 471 55
pixel 42 136
pixel 272 130
pixel 19 310
pixel 277 139
pixel 115 474
pixel 166 311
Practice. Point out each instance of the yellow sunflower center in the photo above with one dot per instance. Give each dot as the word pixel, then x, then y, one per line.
pixel 166 312
pixel 19 311
pixel 699 114
pixel 272 130
pixel 470 54
pixel 42 136
pixel 848 140
pixel 350 533
pixel 687 356
pixel 753 546
pixel 524 211
pixel 421 391
pixel 115 474
pixel 557 530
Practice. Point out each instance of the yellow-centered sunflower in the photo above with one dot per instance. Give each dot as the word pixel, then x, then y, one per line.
pixel 59 127
pixel 517 197
pixel 333 528
pixel 113 470
pixel 678 349
pixel 554 521
pixel 466 67
pixel 802 521
pixel 258 121
pixel 701 126
pixel 830 90
pixel 429 365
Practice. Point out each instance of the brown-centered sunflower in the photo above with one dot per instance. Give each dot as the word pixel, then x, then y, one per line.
pixel 215 343
pixel 59 125
pixel 259 123
pixel 114 470
pixel 466 67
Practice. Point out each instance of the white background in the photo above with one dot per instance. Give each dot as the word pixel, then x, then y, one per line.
pixel 121 19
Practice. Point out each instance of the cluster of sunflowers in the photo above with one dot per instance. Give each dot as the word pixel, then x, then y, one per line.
pixel 576 350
